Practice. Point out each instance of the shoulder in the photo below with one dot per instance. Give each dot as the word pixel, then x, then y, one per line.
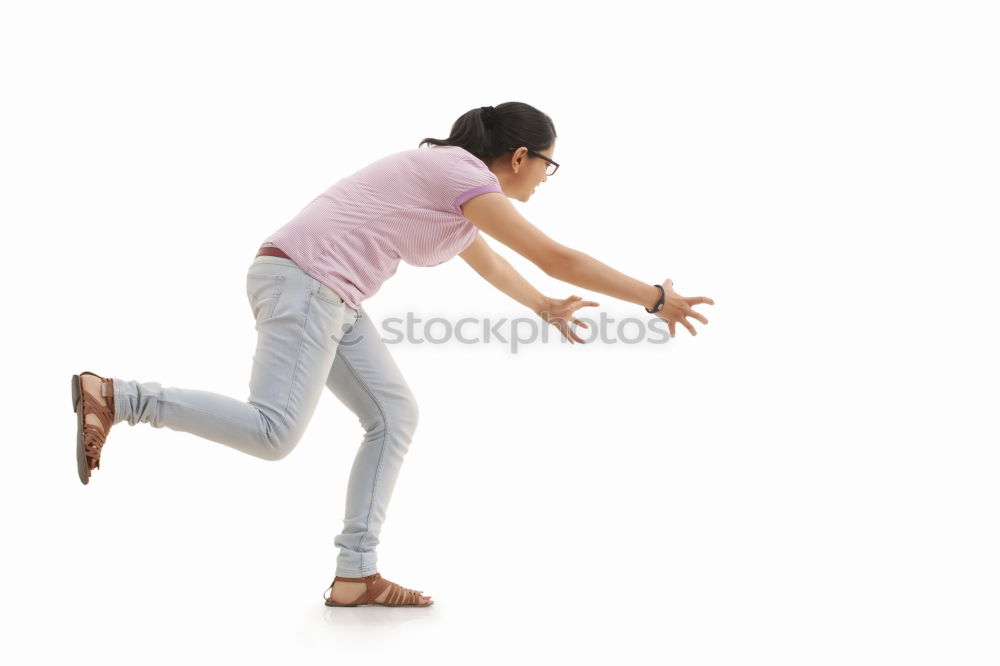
pixel 465 176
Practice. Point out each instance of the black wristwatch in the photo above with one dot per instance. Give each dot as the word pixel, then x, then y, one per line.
pixel 659 305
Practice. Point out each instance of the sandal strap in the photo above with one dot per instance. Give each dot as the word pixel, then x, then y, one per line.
pixel 108 392
pixel 107 389
pixel 397 597
pixel 401 596
pixel 375 584
pixel 94 436
pixel 92 405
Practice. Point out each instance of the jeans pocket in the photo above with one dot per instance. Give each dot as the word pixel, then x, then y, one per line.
pixel 263 292
pixel 324 293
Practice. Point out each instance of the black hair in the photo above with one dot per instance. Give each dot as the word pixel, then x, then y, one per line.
pixel 516 124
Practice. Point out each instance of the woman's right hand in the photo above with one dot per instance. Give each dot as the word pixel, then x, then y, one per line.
pixel 676 308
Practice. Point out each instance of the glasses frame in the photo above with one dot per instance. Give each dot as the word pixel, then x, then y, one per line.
pixel 538 154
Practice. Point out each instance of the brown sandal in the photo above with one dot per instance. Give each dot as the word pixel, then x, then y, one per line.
pixel 375 585
pixel 89 437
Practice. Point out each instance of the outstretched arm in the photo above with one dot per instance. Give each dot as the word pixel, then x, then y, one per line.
pixel 586 272
pixel 494 214
pixel 497 271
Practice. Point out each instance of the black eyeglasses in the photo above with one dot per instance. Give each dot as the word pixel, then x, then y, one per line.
pixel 552 167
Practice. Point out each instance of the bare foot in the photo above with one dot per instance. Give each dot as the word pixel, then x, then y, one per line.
pixel 345 592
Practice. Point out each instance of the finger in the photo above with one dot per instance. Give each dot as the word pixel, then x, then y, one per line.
pixel 671 326
pixel 697 315
pixel 580 323
pixel 690 328
pixel 571 334
pixel 699 299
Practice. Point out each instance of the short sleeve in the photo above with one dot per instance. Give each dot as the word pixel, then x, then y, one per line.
pixel 469 178
pixel 471 237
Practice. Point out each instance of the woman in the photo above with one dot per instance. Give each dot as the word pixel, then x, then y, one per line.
pixel 306 286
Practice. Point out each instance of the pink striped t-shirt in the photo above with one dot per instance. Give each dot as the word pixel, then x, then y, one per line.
pixel 404 206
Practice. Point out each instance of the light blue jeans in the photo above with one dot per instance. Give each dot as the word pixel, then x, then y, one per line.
pixel 307 337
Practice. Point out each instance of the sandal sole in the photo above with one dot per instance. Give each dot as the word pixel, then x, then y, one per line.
pixel 386 605
pixel 328 602
pixel 76 386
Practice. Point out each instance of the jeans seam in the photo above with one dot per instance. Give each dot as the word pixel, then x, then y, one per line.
pixel 199 410
pixel 381 453
pixel 318 288
pixel 318 296
pixel 160 400
pixel 298 362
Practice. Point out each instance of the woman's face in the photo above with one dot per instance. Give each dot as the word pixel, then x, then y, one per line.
pixel 520 172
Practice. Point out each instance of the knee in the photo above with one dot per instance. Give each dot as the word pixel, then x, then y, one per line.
pixel 407 415
pixel 397 417
pixel 279 441
pixel 277 450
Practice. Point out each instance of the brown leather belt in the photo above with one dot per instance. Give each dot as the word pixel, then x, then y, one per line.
pixel 271 252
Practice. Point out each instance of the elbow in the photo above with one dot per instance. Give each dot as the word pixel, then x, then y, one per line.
pixel 560 264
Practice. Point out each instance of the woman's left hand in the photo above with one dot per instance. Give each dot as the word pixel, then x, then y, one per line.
pixel 559 313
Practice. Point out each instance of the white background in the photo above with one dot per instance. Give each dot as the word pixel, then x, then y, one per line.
pixel 812 479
